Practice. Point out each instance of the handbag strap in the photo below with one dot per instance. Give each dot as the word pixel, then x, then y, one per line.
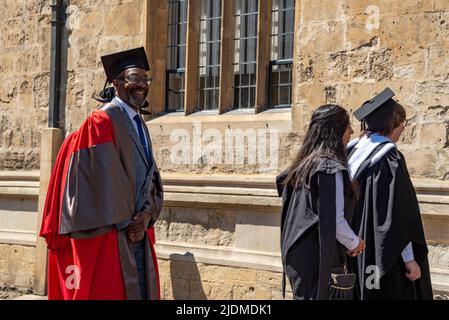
pixel 343 256
pixel 283 284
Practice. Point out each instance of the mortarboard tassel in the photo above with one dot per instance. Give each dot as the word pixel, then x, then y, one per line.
pixel 107 94
pixel 142 109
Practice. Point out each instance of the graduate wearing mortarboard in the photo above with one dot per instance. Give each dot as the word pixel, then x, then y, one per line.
pixel 104 196
pixel 387 214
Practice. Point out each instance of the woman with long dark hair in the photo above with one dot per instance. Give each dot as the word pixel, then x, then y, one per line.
pixel 317 200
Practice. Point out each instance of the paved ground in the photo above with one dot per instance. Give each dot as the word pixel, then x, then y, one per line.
pixel 12 294
pixel 9 294
pixel 31 297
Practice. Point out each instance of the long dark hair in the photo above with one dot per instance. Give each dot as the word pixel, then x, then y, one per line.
pixel 323 140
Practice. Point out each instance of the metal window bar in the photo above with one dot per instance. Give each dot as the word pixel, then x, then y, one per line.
pixel 245 53
pixel 282 30
pixel 175 94
pixel 177 28
pixel 281 64
pixel 177 33
pixel 280 83
pixel 209 57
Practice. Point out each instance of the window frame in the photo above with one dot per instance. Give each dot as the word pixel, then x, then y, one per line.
pixel 281 53
pixel 177 66
pixel 167 91
pixel 158 58
pixel 244 55
pixel 209 51
pixel 271 64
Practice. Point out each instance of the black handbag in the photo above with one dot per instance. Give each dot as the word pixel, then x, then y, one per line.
pixel 341 284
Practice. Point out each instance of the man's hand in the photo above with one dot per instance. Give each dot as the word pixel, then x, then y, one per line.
pixel 137 228
pixel 413 270
pixel 136 237
pixel 357 250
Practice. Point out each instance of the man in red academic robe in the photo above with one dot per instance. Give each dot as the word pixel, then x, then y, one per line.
pixel 104 196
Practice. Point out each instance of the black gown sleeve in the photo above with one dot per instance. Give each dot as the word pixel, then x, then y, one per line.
pixel 387 217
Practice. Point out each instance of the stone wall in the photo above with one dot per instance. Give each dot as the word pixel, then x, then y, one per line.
pixel 344 54
pixel 354 48
pixel 181 280
pixel 96 28
pixel 24 81
pixel 16 266
pixel 212 144
pixel 346 51
pixel 93 28
pixel 18 226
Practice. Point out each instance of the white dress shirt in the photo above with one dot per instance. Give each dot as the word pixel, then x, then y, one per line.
pixel 131 113
pixel 407 253
pixel 344 233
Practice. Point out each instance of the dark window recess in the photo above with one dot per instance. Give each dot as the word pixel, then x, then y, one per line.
pixel 281 64
pixel 280 80
pixel 245 43
pixel 176 55
pixel 175 90
pixel 209 54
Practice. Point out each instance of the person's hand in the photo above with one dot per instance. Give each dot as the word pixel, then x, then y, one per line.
pixel 413 270
pixel 357 250
pixel 140 223
pixel 136 230
pixel 136 237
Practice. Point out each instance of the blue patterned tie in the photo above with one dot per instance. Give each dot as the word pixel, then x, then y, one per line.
pixel 142 137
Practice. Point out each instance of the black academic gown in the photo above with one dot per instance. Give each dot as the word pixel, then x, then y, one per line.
pixel 308 232
pixel 387 217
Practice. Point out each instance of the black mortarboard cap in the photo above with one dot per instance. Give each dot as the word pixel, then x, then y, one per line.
pixel 375 105
pixel 115 63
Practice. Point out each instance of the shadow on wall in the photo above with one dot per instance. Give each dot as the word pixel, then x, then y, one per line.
pixel 185 278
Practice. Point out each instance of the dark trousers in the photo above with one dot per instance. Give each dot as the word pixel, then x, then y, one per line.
pixel 139 253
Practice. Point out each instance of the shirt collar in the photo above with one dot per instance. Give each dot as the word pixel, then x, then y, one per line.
pixel 130 111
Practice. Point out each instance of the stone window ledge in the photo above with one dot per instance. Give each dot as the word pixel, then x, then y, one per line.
pixel 279 119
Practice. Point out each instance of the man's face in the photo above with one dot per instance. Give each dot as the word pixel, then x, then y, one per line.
pixel 132 86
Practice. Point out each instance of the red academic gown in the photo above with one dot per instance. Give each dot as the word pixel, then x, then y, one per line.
pixel 89 257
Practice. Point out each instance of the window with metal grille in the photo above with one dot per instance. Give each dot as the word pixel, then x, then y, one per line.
pixel 176 54
pixel 209 54
pixel 281 63
pixel 245 49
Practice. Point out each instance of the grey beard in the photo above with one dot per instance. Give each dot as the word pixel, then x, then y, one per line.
pixel 135 103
